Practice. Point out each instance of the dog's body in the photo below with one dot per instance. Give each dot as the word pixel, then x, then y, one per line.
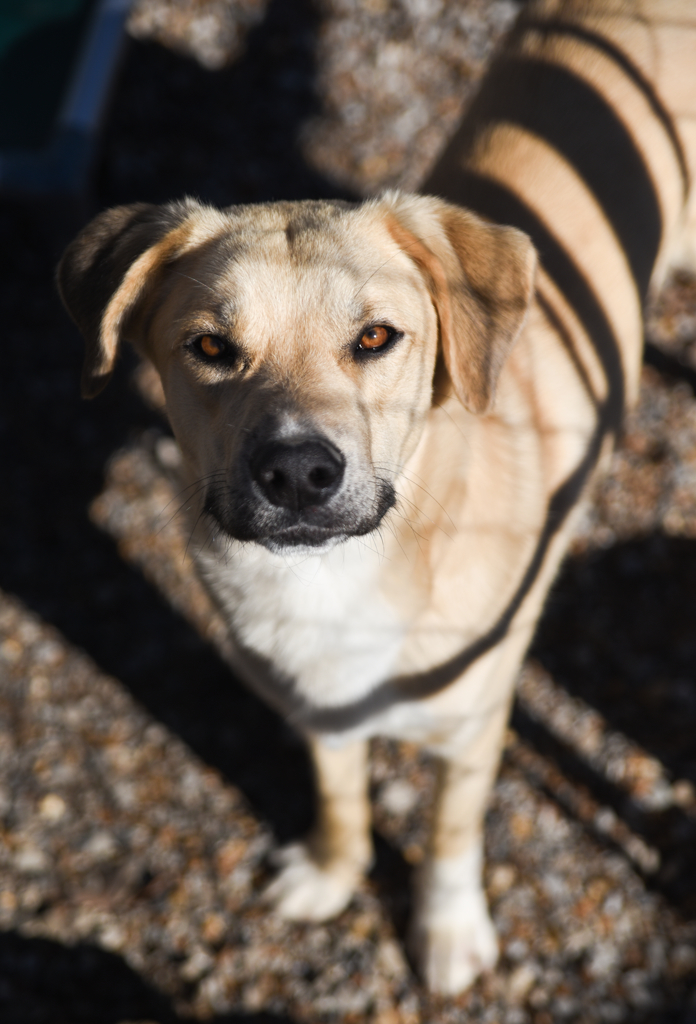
pixel 385 529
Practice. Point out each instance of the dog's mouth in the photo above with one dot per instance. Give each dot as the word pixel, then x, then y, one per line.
pixel 301 540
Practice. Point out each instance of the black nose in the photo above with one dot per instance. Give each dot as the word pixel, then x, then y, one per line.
pixel 297 474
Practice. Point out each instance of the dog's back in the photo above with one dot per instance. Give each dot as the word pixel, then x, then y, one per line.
pixel 584 136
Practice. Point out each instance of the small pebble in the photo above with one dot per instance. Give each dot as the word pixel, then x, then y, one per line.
pixel 52 807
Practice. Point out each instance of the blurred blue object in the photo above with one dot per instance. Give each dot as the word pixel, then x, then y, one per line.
pixel 57 59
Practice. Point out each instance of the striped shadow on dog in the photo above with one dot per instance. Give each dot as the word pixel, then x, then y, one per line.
pixel 391 410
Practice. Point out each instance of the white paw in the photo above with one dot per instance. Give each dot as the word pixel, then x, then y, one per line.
pixel 306 891
pixel 452 953
pixel 452 937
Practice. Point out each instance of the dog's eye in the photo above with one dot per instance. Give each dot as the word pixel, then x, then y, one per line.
pixel 376 338
pixel 211 347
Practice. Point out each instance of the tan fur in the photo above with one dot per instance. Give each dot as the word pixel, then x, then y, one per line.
pixel 476 273
pixel 489 414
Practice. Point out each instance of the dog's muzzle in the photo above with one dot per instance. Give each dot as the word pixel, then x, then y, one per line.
pixel 295 491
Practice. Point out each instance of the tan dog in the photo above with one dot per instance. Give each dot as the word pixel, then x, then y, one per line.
pixel 391 417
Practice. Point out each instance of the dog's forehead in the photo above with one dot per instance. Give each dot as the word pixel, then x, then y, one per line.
pixel 298 261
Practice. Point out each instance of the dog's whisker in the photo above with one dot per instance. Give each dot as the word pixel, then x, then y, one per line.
pixel 409 522
pixel 386 524
pixel 429 494
pixel 179 273
pixel 195 488
pixel 418 482
pixel 192 532
pixel 401 249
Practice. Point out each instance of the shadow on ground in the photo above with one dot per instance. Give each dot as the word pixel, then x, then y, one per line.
pixel 618 632
pixel 43 982
pixel 229 136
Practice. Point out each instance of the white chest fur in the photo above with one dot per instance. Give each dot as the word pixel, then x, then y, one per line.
pixel 321 621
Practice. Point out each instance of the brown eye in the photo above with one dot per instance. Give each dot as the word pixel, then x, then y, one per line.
pixel 375 337
pixel 211 346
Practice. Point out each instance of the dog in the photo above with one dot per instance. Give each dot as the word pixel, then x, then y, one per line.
pixel 389 413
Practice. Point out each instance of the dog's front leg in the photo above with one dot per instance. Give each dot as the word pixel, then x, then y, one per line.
pixel 318 878
pixel 452 936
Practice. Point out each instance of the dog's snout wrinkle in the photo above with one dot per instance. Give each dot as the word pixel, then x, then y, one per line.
pixel 299 474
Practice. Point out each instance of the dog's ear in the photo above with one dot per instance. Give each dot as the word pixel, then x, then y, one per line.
pixel 480 277
pixel 107 270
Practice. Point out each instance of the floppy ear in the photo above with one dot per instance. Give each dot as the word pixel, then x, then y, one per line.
pixel 480 277
pixel 106 271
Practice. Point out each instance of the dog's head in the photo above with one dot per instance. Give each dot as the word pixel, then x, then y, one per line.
pixel 297 342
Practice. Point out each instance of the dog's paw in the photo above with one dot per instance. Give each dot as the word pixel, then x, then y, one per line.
pixel 453 949
pixel 452 936
pixel 307 891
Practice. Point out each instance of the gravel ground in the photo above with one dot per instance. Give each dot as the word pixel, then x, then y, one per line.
pixel 141 788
